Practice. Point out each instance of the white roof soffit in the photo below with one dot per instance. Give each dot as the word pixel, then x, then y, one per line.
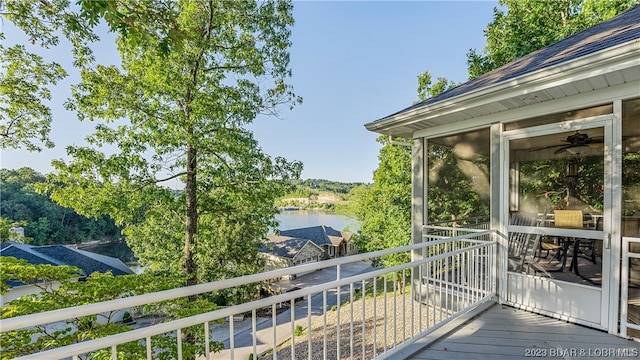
pixel 610 60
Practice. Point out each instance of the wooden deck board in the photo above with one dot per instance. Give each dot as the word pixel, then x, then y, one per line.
pixel 446 355
pixel 503 332
pixel 527 339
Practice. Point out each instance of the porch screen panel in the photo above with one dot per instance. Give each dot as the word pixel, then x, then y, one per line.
pixel 559 180
pixel 458 179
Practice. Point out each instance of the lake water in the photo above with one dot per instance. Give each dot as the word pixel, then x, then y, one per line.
pixel 288 220
pixel 307 218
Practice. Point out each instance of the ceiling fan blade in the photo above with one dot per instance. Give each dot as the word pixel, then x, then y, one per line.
pixel 576 140
pixel 547 147
pixel 598 142
pixel 563 149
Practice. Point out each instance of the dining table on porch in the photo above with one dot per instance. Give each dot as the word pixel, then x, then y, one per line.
pixel 573 219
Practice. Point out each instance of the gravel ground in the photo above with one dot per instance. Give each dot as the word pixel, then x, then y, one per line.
pixel 401 325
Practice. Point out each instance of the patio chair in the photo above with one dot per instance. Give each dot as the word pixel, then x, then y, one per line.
pixel 573 219
pixel 549 244
pixel 520 244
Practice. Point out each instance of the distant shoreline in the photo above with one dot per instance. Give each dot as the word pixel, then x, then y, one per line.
pixel 94 243
pixel 289 208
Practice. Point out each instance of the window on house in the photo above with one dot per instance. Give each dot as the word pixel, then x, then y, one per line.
pixel 631 168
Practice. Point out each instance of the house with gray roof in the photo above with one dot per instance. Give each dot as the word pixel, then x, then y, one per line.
pixel 57 255
pixel 299 246
pixel 286 251
pixel 334 243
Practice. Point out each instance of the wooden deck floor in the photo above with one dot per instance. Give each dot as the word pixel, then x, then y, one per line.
pixel 503 332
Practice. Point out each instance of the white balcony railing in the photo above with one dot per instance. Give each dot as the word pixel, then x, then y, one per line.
pixel 629 295
pixel 448 228
pixel 367 315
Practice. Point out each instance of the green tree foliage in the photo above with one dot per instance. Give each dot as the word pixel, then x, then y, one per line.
pixel 181 113
pixel 543 184
pixel 319 194
pixel 631 184
pixel 40 275
pixel 522 27
pixel 384 208
pixel 301 191
pixel 44 221
pixel 5 228
pixel 427 90
pixel 26 78
pixel 327 185
pixel 59 289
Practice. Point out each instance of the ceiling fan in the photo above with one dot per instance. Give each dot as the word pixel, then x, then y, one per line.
pixel 576 143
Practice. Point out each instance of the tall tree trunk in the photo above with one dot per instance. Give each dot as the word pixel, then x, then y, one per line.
pixel 189 266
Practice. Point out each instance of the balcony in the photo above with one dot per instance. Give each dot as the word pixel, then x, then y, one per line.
pixel 383 313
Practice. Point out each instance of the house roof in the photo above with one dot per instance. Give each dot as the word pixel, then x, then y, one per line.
pixel 290 242
pixel 57 255
pixel 286 246
pixel 510 81
pixel 320 235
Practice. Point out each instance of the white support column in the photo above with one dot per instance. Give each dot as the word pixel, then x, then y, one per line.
pixel 499 177
pixel 418 190
pixel 418 204
pixel 613 219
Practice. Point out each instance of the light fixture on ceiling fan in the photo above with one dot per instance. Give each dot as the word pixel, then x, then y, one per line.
pixel 576 150
pixel 572 169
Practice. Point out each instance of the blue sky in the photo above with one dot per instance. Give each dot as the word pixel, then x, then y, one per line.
pixel 353 63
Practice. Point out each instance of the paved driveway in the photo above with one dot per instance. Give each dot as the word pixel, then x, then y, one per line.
pixel 243 339
pixel 325 275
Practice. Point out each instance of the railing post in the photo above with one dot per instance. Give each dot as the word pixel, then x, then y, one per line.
pixel 324 324
pixel 338 298
pixel 309 329
pixel 275 325
pixel 207 347
pixel 232 345
pixel 254 327
pixel 624 287
pixel 292 310
pixel 149 349
pixel 179 338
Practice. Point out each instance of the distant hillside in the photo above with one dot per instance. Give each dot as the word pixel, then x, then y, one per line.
pixel 317 194
pixel 44 221
pixel 328 185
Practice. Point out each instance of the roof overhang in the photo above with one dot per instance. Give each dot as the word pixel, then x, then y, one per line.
pixel 615 67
